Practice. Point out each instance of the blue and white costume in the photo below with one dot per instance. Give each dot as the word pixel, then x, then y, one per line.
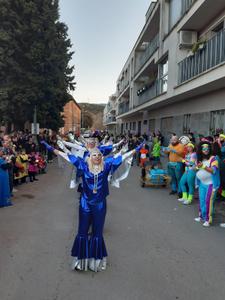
pixel 89 251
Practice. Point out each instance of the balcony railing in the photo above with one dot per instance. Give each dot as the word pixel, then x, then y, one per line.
pixel 123 108
pixel 186 5
pixel 110 120
pixel 211 55
pixel 152 92
pixel 123 86
pixel 151 48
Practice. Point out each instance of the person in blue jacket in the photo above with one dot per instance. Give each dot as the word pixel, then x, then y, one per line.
pixel 5 194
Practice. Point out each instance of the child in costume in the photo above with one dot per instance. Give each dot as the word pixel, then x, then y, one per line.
pixel 32 168
pixel 156 151
pixel 144 153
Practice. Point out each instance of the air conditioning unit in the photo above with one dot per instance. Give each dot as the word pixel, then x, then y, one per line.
pixel 187 39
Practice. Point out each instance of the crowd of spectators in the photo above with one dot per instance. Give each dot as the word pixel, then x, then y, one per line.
pixel 193 164
pixel 22 159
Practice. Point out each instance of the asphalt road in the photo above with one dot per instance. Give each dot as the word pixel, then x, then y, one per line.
pixel 156 250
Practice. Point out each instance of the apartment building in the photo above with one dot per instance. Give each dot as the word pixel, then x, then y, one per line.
pixel 174 77
pixel 109 115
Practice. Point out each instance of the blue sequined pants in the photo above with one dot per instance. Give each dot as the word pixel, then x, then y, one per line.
pixel 90 246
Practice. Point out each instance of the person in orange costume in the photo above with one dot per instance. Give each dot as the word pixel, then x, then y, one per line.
pixel 175 166
pixel 144 153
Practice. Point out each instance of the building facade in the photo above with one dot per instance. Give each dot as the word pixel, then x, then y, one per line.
pixel 72 118
pixel 109 115
pixel 174 77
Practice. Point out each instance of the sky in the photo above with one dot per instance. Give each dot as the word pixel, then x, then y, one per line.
pixel 103 33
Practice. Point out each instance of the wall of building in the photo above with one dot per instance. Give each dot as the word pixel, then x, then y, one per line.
pixel 72 117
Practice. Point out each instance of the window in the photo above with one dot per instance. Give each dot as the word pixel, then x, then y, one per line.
pixel 151 125
pixel 139 127
pixel 134 126
pixel 130 126
pixel 163 75
pixel 145 122
pixel 122 127
pixel 187 123
pixel 217 121
pixel 175 9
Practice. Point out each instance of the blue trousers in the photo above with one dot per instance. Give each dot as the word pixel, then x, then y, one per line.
pixel 207 197
pixel 90 247
pixel 175 170
pixel 188 180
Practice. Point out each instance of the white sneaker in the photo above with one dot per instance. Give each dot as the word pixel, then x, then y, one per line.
pixel 222 225
pixel 181 199
pixel 187 202
pixel 206 224
pixel 198 219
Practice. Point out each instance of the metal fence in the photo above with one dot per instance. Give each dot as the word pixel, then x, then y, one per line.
pixel 186 4
pixel 211 55
pixel 152 92
pixel 110 120
pixel 123 108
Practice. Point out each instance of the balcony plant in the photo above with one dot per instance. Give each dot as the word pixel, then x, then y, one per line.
pixel 198 46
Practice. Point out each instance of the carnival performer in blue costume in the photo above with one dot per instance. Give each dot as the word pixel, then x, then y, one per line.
pixel 91 252
pixel 82 150
pixel 4 182
pixel 208 182
pixel 90 143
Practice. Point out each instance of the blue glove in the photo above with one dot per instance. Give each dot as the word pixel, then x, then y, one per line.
pixel 48 147
pixel 173 151
pixel 138 148
pixel 165 148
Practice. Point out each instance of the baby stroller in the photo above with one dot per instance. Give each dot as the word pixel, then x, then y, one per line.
pixel 154 176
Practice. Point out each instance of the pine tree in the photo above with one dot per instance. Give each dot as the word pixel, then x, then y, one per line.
pixel 34 62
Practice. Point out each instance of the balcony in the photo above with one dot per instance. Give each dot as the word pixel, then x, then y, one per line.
pixel 201 15
pixel 211 55
pixel 123 108
pixel 153 91
pixel 110 120
pixel 123 86
pixel 186 5
pixel 151 48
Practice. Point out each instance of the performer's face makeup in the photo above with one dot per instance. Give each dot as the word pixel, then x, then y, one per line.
pixel 96 158
pixel 190 149
pixel 205 149
pixel 91 145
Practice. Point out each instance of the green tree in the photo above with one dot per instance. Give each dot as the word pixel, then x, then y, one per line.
pixel 35 52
